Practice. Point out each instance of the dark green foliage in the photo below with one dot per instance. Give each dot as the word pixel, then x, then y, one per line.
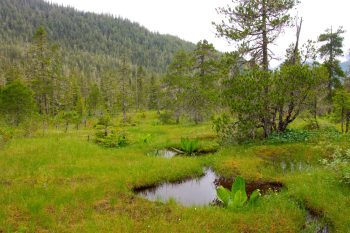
pixel 70 117
pixel 255 24
pixel 94 101
pixel 189 146
pixel 290 136
pixel 192 82
pixel 153 95
pixel 340 163
pixel 290 89
pixel 75 31
pixel 342 108
pixel 237 198
pixel 224 126
pixel 329 51
pixel 166 117
pixel 16 102
pixel 106 134
pixel 113 139
pixel 6 134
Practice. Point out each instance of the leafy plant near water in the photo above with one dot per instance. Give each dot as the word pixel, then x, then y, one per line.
pixel 189 146
pixel 340 163
pixel 237 198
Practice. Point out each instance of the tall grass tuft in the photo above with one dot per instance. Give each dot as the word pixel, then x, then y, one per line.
pixel 189 146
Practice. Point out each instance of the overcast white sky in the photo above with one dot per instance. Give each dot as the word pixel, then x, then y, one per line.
pixel 191 19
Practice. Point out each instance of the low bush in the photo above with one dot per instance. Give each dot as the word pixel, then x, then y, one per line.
pixel 112 139
pixel 290 136
pixel 6 134
pixel 339 162
pixel 166 118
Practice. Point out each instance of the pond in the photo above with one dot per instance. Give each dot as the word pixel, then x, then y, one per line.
pixel 172 152
pixel 165 153
pixel 199 191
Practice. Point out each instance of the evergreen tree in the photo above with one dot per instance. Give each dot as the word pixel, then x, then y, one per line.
pixel 124 79
pixel 329 51
pixel 179 71
pixel 44 72
pixel 139 84
pixel 38 71
pixel 16 102
pixel 202 86
pixel 94 101
pixel 153 96
pixel 256 24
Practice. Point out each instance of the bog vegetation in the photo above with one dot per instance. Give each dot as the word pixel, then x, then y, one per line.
pixel 79 114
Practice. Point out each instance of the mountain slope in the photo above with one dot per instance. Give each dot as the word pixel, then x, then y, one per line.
pixel 88 32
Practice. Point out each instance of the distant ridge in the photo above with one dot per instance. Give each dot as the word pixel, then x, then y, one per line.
pixel 88 32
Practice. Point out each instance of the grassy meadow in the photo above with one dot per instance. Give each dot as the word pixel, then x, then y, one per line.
pixel 63 182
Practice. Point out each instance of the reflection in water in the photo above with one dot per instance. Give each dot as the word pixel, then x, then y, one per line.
pixel 199 191
pixel 291 166
pixel 166 153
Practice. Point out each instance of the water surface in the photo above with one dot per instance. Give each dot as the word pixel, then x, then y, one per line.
pixel 200 190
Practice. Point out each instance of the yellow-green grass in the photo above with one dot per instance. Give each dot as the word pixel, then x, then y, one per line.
pixel 64 183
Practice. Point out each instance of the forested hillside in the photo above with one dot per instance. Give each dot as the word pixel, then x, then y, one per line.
pixel 78 32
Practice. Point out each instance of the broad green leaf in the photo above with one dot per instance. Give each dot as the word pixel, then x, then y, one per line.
pixel 240 199
pixel 239 184
pixel 254 197
pixel 224 195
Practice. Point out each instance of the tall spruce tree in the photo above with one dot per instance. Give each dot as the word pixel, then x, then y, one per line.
pixel 332 48
pixel 139 87
pixel 255 24
pixel 124 79
pixel 201 86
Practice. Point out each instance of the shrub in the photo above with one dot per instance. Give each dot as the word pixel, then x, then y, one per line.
pixel 340 164
pixel 189 146
pixel 146 138
pixel 165 118
pixel 112 139
pixel 290 136
pixel 226 129
pixel 107 136
pixel 237 198
pixel 6 134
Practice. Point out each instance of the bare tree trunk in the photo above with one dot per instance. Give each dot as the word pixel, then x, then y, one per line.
pixel 265 64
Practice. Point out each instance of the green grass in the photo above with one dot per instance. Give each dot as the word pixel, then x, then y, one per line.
pixel 63 183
